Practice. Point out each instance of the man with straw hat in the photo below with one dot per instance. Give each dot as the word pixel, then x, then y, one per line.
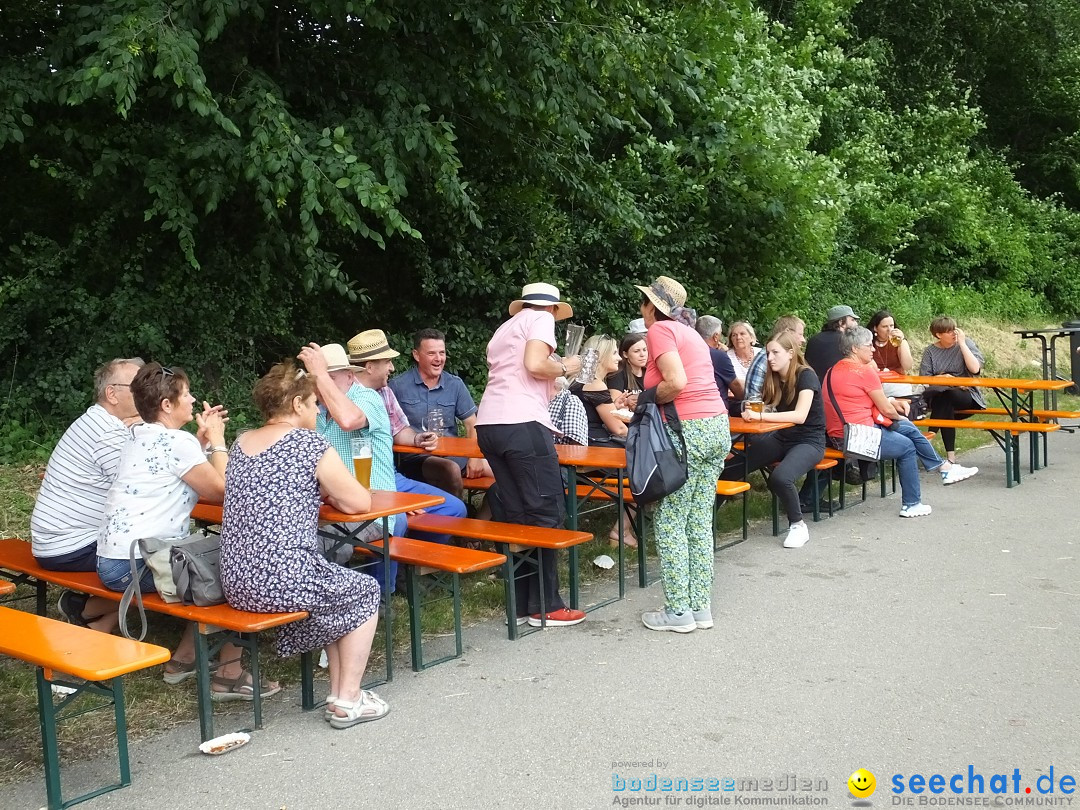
pixel 352 403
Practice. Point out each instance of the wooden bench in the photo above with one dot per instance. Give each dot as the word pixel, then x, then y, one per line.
pixel 223 622
pixel 518 544
pixel 1007 435
pixel 430 568
pixel 100 659
pixel 1040 415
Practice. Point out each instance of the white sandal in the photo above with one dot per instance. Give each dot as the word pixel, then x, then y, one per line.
pixel 329 704
pixel 369 707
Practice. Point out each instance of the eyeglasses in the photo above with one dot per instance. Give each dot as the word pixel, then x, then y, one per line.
pixel 119 385
pixel 165 371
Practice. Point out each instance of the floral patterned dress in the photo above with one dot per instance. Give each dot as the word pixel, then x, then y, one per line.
pixel 270 555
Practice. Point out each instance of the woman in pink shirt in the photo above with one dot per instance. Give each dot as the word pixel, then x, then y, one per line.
pixel 516 436
pixel 680 370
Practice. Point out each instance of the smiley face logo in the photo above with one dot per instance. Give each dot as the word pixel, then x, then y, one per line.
pixel 862 784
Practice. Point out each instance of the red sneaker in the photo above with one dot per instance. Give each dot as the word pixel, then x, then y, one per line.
pixel 559 618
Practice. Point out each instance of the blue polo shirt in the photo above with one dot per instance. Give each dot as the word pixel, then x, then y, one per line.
pixel 450 396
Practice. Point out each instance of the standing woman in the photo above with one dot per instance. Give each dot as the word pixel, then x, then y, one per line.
pixel 953 354
pixel 680 370
pixel 741 348
pixel 793 389
pixel 515 435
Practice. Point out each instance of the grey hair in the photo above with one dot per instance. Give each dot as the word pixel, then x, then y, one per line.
pixel 708 325
pixel 103 377
pixel 853 338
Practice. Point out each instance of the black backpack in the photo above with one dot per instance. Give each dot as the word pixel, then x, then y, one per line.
pixel 654 465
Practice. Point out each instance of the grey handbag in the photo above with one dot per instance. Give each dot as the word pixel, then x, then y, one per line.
pixel 654 465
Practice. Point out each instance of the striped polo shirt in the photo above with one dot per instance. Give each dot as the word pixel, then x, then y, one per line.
pixel 71 502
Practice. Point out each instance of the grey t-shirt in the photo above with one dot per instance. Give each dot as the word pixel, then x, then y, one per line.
pixel 936 360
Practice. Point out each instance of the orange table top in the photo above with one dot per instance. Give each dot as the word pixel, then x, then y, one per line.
pixel 383 504
pixel 982 382
pixel 570 455
pixel 740 425
pixel 6 587
pixel 74 650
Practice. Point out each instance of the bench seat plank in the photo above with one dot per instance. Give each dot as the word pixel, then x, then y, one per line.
pixel 15 555
pixel 513 533
pixel 1009 427
pixel 77 651
pixel 443 557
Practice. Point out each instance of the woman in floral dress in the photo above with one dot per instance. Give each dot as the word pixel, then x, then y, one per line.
pixel 270 554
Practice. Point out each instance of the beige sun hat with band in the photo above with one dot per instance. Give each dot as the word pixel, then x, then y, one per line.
pixel 336 359
pixel 542 295
pixel 665 294
pixel 370 345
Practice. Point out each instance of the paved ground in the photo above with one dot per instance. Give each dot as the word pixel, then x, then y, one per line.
pixel 902 646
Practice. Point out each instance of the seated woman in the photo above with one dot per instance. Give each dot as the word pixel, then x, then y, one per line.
pixel 793 389
pixel 162 474
pixel 628 379
pixel 741 348
pixel 953 354
pixel 270 554
pixel 853 387
pixel 892 352
pixel 605 428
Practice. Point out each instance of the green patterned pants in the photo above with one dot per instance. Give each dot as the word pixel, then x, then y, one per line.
pixel 683 521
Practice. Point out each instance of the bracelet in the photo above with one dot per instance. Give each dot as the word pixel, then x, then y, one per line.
pixel 562 365
pixel 219 448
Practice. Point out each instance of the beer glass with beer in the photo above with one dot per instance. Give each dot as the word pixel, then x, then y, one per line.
pixel 361 459
pixel 755 405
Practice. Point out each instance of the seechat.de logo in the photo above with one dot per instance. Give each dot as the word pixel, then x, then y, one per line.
pixel 862 784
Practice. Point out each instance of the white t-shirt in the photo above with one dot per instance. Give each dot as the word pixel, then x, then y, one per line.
pixel 149 499
pixel 70 504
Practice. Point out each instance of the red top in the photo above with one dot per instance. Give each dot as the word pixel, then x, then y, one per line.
pixel 851 384
pixel 700 398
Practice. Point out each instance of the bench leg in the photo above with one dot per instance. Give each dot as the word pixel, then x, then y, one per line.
pixel 413 598
pixel 48 716
pixel 202 683
pixel 307 681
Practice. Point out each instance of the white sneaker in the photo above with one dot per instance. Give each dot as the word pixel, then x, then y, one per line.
pixel 956 473
pixel 797 535
pixel 915 510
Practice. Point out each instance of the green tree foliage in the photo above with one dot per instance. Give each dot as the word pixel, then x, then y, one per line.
pixel 214 182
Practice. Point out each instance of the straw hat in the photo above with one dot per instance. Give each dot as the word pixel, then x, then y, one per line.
pixel 370 345
pixel 335 357
pixel 544 295
pixel 665 294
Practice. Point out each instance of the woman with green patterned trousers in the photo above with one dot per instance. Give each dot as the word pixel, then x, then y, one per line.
pixel 681 370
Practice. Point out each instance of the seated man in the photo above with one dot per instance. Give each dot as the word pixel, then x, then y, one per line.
pixel 350 403
pixel 71 502
pixel 428 387
pixel 711 330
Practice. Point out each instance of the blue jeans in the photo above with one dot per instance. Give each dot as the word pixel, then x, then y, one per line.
pixel 451 507
pixel 116 575
pixel 905 443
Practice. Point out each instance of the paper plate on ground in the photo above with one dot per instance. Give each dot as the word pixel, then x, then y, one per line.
pixel 224 743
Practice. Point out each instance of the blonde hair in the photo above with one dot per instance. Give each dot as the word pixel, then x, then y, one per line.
pixel 275 391
pixel 605 346
pixel 781 388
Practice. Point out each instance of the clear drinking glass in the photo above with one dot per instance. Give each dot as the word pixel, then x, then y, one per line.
pixel 434 422
pixel 574 336
pixel 755 405
pixel 361 457
pixel 588 366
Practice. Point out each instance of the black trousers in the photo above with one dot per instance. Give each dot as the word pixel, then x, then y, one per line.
pixel 530 492
pixel 796 460
pixel 944 405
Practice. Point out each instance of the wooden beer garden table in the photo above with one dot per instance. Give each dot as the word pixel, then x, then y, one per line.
pixel 384 505
pixel 1017 397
